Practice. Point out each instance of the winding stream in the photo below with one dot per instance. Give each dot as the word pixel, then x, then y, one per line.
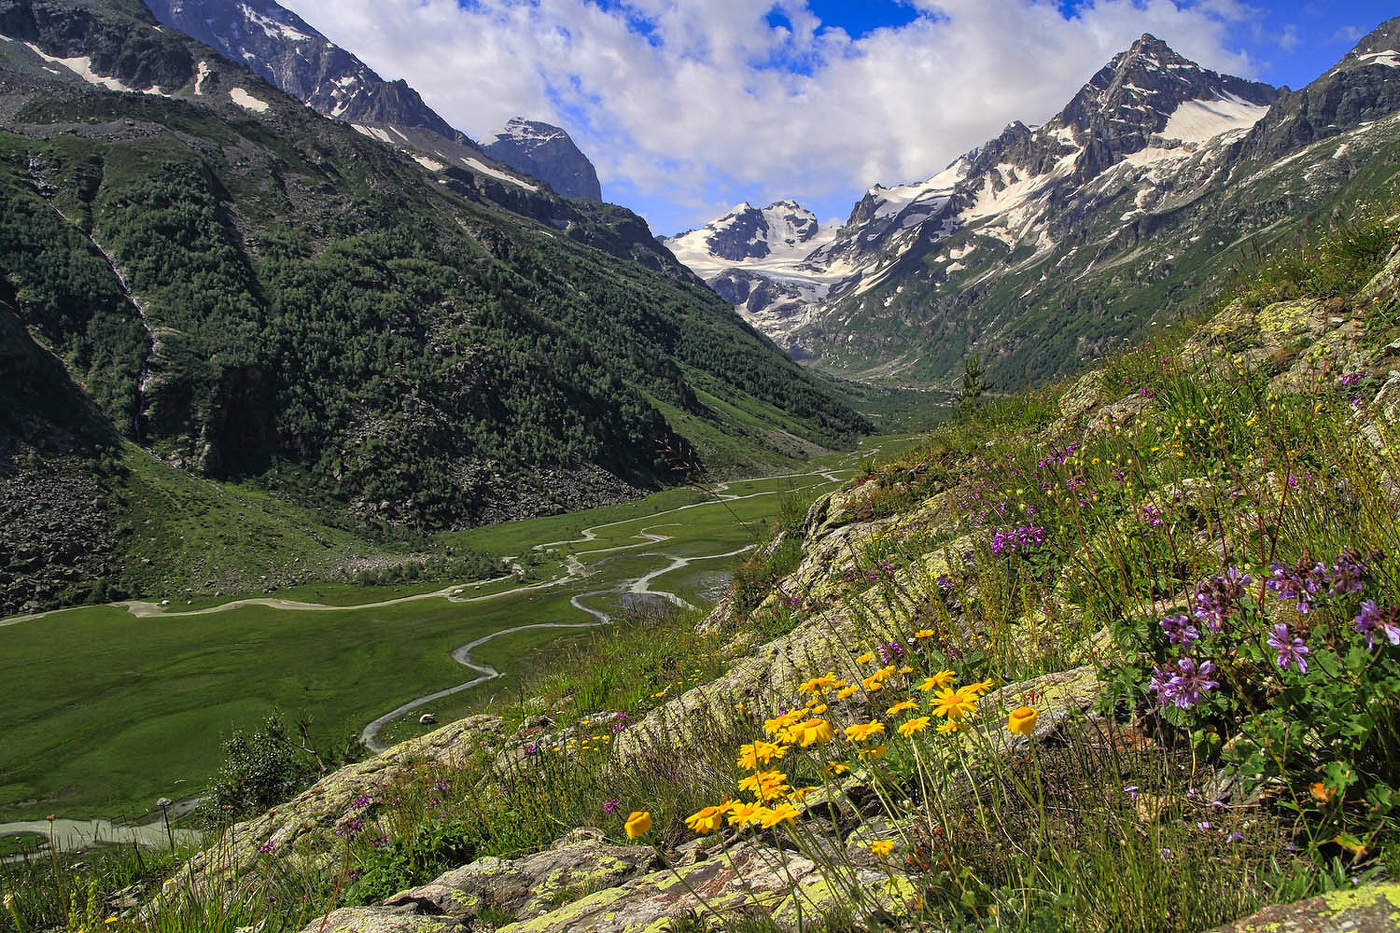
pixel 74 833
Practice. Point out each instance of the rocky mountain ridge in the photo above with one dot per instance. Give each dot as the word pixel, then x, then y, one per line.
pixel 1024 235
pixel 547 152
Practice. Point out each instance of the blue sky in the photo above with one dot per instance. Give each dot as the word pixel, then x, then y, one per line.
pixel 689 106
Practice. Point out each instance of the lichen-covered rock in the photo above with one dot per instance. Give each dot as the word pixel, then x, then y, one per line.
pixel 380 920
pixel 524 888
pixel 331 800
pixel 784 884
pixel 1369 909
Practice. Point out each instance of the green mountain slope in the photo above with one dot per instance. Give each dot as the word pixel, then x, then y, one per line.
pixel 311 309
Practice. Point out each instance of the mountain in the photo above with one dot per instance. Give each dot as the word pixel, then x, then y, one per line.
pixel 755 259
pixel 254 292
pixel 280 46
pixel 1047 245
pixel 548 153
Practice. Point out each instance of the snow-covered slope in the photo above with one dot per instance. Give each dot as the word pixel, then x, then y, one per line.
pixel 1149 130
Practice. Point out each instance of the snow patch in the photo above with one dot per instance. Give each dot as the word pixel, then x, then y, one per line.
pixel 201 72
pixel 432 165
pixel 1196 121
pixel 1390 58
pixel 483 168
pixel 247 101
pixel 373 132
pixel 81 65
pixel 271 27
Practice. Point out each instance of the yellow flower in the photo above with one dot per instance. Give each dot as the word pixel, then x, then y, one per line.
pixel 759 753
pixel 1022 721
pixel 1321 792
pixel 818 685
pixel 873 754
pixel 765 785
pixel 819 709
pixel 705 821
pixel 900 707
pixel 953 704
pixel 745 813
pixel 813 730
pixel 873 684
pixel 883 847
pixel 952 725
pixel 862 731
pixel 937 681
pixel 977 689
pixel 924 633
pixel 782 813
pixel 836 768
pixel 779 723
pixel 110 920
pixel 638 824
pixel 906 669
pixel 846 692
pixel 914 725
pixel 865 658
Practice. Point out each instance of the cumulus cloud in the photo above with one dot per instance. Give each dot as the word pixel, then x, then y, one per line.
pixel 683 99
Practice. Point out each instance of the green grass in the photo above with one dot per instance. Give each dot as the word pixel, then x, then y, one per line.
pixel 130 709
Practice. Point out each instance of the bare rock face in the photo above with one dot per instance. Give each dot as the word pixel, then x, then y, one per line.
pixel 548 153
pixel 529 887
pixel 1370 909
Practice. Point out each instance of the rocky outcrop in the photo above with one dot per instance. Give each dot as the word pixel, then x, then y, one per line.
pixel 548 153
pixel 310 819
pixel 1370 909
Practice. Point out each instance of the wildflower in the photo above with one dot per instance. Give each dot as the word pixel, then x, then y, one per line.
pixel 1300 583
pixel 865 658
pixel 813 730
pixel 611 806
pixel 941 679
pixel 952 725
pixel 975 690
pixel 906 669
pixel 873 684
pixel 1235 837
pixel 1348 573
pixel 1179 630
pixel 863 731
pixel 818 685
pixel 1290 650
pixel 900 707
pixel 267 848
pixel 837 768
pixel 1321 792
pixel 846 692
pixel 705 821
pixel 361 802
pixel 1131 790
pixel 759 753
pixel 782 813
pixel 1186 687
pixel 924 633
pixel 953 704
pixel 779 723
pixel 883 847
pixel 873 754
pixel 1218 598
pixel 638 824
pixel 765 785
pixel 1372 619
pixel 918 724
pixel 1021 721
pixel 744 813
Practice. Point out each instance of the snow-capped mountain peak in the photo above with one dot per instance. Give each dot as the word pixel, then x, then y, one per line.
pixel 548 153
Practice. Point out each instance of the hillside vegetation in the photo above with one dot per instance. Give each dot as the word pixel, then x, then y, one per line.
pixel 1123 655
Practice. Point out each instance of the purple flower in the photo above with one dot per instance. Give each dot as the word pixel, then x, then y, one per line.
pixel 1132 791
pixel 361 802
pixel 1145 392
pixel 1373 619
pixel 1186 686
pixel 1152 516
pixel 1179 630
pixel 441 784
pixel 945 583
pixel 1234 837
pixel 1291 651
pixel 267 848
pixel 1218 598
pixel 1348 573
pixel 1300 583
pixel 348 828
pixel 1018 540
pixel 1350 379
pixel 611 806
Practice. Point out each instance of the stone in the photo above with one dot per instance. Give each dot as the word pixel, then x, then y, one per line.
pixel 528 887
pixel 1367 909
pixel 379 920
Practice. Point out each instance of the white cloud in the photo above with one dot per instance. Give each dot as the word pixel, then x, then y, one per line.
pixel 677 98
